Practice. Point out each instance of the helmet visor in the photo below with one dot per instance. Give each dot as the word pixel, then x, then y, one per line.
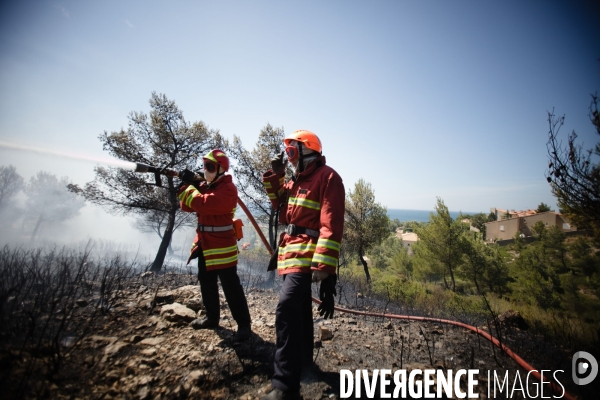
pixel 210 167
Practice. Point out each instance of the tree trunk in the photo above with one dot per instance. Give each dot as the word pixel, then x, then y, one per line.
pixel 37 227
pixel 452 278
pixel 165 242
pixel 170 248
pixel 365 265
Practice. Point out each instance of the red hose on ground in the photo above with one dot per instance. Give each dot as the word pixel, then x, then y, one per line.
pixel 555 388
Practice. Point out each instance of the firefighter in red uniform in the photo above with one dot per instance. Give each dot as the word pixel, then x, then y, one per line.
pixel 215 245
pixel 312 204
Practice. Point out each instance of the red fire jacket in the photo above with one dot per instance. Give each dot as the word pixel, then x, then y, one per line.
pixel 215 207
pixel 313 200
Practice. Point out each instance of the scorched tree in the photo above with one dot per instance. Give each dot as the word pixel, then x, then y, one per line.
pixel 163 138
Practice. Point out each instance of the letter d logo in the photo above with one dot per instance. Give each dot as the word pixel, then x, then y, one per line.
pixel 582 368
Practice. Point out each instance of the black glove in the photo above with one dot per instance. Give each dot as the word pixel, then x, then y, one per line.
pixel 326 294
pixel 188 176
pixel 278 163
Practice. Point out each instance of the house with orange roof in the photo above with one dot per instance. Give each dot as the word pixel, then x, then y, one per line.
pixel 408 239
pixel 508 223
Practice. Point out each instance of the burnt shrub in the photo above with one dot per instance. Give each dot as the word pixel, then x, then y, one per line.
pixel 49 299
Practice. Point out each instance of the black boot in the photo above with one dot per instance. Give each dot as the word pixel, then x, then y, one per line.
pixel 278 394
pixel 204 323
pixel 243 333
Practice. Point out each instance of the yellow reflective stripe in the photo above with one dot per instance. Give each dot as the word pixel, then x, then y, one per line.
pixel 298 248
pixel 323 259
pixel 190 194
pixel 222 250
pixel 267 185
pixel 188 201
pixel 328 244
pixel 183 194
pixel 220 261
pixel 294 262
pixel 297 201
pixel 272 196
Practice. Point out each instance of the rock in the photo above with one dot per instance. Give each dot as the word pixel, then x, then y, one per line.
pixel 326 333
pixel 194 303
pixel 112 376
pixel 144 380
pixel 114 348
pixel 177 312
pixel 135 338
pixel 196 377
pixel 151 362
pixel 162 326
pixel 152 341
pixel 164 298
pixel 103 339
pixel 183 293
pixel 148 352
pixel 143 393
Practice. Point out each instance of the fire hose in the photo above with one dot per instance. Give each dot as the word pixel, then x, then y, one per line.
pixel 187 176
pixel 536 374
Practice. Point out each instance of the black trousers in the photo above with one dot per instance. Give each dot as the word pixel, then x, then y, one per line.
pixel 234 293
pixel 294 329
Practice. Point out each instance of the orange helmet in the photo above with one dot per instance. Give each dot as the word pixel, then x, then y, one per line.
pixel 307 138
pixel 218 157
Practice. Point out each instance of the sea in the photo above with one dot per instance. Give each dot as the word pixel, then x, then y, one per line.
pixel 417 215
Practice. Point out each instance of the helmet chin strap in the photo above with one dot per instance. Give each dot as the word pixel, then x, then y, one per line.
pixel 217 176
pixel 300 158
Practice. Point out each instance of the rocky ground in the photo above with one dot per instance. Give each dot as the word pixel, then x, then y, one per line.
pixel 145 348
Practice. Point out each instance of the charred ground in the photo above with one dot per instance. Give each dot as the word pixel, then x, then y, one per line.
pixel 144 348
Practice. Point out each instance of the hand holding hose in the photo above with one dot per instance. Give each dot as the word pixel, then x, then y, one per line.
pixel 188 176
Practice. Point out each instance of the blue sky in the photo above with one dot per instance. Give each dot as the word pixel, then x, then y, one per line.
pixel 419 98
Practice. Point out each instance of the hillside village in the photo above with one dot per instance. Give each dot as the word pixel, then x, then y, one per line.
pixel 508 223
